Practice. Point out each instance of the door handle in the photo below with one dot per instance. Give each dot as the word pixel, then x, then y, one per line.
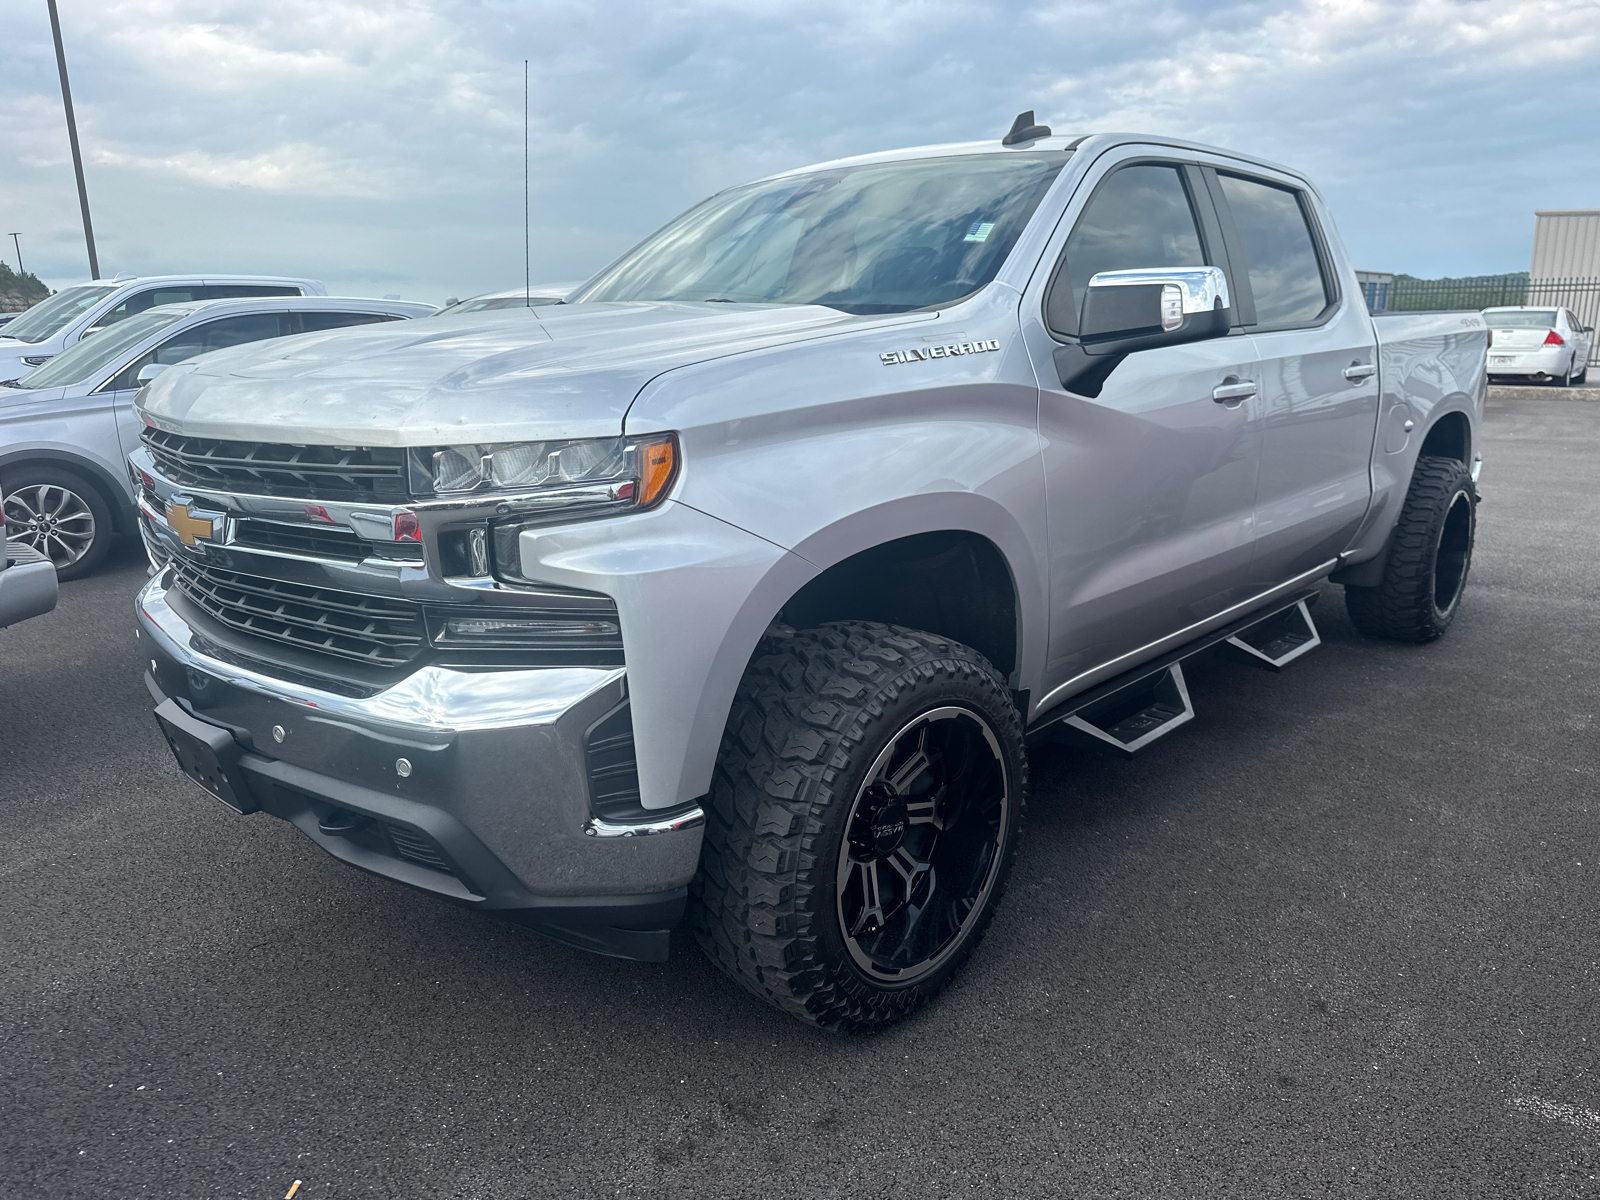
pixel 1233 389
pixel 1356 372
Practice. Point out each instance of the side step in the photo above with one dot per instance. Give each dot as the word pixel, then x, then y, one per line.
pixel 1276 642
pixel 1130 719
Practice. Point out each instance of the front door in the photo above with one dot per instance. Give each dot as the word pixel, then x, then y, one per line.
pixel 1151 482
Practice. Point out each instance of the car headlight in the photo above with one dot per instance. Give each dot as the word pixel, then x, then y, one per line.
pixel 624 472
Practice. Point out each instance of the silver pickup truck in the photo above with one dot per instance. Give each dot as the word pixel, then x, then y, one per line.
pixel 734 588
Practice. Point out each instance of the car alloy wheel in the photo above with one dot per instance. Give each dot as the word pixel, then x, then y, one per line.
pixel 54 520
pixel 922 845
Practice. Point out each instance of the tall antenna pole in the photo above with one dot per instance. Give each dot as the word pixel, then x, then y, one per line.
pixel 15 240
pixel 72 136
pixel 527 270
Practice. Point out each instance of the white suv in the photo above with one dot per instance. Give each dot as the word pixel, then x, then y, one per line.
pixel 56 324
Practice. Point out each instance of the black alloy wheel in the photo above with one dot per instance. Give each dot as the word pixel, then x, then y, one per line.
pixel 922 845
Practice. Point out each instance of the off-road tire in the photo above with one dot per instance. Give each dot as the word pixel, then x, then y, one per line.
pixel 813 713
pixel 1429 555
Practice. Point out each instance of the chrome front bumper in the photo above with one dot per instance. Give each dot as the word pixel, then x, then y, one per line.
pixel 470 783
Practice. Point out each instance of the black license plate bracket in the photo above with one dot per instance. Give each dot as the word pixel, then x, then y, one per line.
pixel 207 754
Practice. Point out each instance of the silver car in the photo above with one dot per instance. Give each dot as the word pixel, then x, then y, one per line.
pixel 67 427
pixel 59 323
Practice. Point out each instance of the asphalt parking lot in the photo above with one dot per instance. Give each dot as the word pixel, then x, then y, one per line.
pixel 1336 938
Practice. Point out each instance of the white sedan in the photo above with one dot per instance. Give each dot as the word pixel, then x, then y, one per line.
pixel 1538 343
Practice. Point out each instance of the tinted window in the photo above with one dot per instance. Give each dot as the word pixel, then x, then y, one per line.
pixel 1139 217
pixel 875 238
pixel 49 316
pixel 148 298
pixel 202 339
pixel 1280 253
pixel 316 322
pixel 1520 318
pixel 226 291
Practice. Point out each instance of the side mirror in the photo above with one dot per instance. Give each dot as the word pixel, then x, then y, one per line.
pixel 150 370
pixel 1124 311
pixel 1128 311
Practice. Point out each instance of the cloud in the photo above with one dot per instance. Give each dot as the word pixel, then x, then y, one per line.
pixel 295 167
pixel 348 140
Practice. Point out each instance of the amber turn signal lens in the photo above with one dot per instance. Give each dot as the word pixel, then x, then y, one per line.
pixel 658 463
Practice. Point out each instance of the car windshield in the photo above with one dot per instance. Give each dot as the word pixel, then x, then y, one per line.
pixel 97 351
pixel 877 238
pixel 1520 318
pixel 50 316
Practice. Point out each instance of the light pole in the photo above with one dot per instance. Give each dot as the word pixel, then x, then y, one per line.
pixel 15 240
pixel 72 136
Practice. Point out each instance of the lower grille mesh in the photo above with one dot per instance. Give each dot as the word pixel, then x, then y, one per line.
pixel 369 629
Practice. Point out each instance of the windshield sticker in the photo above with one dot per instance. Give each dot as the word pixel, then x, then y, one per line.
pixel 979 232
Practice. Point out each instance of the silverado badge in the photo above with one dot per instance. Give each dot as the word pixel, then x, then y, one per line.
pixel 188 528
pixel 923 355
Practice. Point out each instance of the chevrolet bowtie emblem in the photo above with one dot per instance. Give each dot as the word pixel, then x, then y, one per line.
pixel 186 527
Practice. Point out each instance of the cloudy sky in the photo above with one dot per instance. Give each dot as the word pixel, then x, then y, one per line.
pixel 377 144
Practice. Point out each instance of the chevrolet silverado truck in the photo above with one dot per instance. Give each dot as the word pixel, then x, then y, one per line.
pixel 733 590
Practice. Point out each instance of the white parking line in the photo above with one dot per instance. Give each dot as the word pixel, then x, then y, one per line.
pixel 1567 1114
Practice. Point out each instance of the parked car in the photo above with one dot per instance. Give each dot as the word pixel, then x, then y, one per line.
pixel 1542 343
pixel 58 323
pixel 736 585
pixel 66 427
pixel 27 581
pixel 545 293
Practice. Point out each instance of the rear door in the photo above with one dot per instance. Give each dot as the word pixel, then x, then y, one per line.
pixel 1318 398
pixel 1150 481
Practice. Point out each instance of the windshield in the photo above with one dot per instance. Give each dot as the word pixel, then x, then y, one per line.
pixel 878 238
pixel 97 350
pixel 50 316
pixel 1520 318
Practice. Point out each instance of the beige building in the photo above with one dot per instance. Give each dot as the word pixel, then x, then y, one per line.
pixel 1566 244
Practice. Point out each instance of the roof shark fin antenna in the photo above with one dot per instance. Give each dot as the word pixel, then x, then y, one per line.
pixel 1024 130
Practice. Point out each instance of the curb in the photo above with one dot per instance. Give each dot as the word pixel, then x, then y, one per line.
pixel 1545 392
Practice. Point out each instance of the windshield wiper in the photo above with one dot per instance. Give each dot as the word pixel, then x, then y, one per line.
pixel 14 383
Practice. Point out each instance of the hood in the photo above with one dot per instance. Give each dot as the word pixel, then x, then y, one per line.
pixel 524 375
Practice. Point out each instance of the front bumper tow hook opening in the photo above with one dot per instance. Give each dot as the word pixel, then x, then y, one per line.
pixel 341 823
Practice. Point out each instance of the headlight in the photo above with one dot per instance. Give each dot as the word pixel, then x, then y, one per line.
pixel 634 472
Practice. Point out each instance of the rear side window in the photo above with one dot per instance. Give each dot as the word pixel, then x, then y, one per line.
pixel 230 291
pixel 149 298
pixel 316 322
pixel 202 339
pixel 1280 252
pixel 1138 217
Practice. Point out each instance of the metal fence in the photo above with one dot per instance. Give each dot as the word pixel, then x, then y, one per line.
pixel 1580 295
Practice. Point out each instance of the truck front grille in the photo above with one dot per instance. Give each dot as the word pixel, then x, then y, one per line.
pixel 268 469
pixel 369 629
pixel 315 541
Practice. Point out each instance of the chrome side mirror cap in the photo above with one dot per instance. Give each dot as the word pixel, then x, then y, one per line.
pixel 1128 311
pixel 150 370
pixel 1169 304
